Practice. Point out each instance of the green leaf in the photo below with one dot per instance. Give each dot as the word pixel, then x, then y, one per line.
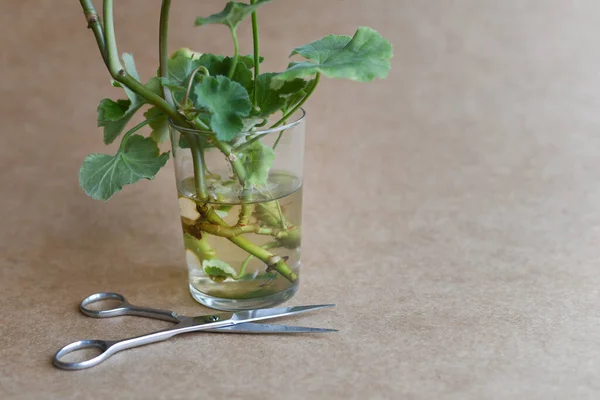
pixel 184 51
pixel 270 100
pixel 219 65
pixel 159 124
pixel 227 101
pixel 109 116
pixel 362 58
pixel 114 116
pixel 257 159
pixel 130 66
pixel 154 85
pixel 103 175
pixel 177 89
pixel 216 268
pixel 109 110
pixel 180 69
pixel 249 60
pixel 131 70
pixel 242 73
pixel 233 14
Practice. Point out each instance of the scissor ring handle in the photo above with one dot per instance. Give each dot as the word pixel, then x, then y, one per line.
pixel 120 309
pixel 82 345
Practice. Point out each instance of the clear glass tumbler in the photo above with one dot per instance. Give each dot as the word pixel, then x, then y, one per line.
pixel 241 213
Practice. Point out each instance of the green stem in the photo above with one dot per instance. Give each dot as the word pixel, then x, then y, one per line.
pixel 245 213
pixel 132 131
pixel 273 262
pixel 120 75
pixel 231 232
pixel 236 164
pixel 270 213
pixel 278 139
pixel 198 163
pixel 256 43
pixel 114 65
pixel 95 24
pixel 191 81
pixel 300 104
pixel 195 147
pixel 247 143
pixel 250 257
pixel 236 53
pixel 208 253
pixel 163 47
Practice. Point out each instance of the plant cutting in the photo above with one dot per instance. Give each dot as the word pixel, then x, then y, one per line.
pixel 237 140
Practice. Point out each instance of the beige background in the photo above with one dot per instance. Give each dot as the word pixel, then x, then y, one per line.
pixel 452 212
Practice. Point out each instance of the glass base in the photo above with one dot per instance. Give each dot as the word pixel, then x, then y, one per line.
pixel 219 303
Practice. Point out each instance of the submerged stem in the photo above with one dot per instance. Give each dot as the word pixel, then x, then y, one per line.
pixel 198 163
pixel 244 265
pixel 272 261
pixel 231 232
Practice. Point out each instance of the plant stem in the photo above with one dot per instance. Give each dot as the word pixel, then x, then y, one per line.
pixel 272 261
pixel 236 53
pixel 198 163
pixel 230 232
pixel 247 143
pixel 191 81
pixel 120 75
pixel 300 104
pixel 236 164
pixel 132 131
pixel 245 213
pixel 278 139
pixel 163 47
pixel 250 257
pixel 256 42
pixel 114 65
pixel 108 46
pixel 95 24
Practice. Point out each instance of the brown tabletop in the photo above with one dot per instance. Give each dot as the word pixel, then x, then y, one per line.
pixel 452 212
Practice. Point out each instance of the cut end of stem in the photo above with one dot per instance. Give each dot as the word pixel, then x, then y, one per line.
pixel 282 268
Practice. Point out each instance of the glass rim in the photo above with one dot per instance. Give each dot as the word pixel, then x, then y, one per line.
pixel 259 132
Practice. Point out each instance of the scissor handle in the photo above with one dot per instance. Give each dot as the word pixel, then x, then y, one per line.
pixel 123 308
pixel 120 309
pixel 102 345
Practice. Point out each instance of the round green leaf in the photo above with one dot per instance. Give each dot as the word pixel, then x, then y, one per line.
pixel 362 58
pixel 227 102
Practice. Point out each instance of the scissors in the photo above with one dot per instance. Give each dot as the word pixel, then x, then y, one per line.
pixel 225 322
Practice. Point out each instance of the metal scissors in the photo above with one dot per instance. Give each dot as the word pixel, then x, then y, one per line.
pixel 225 322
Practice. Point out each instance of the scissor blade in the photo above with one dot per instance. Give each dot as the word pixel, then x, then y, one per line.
pixel 268 328
pixel 267 313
